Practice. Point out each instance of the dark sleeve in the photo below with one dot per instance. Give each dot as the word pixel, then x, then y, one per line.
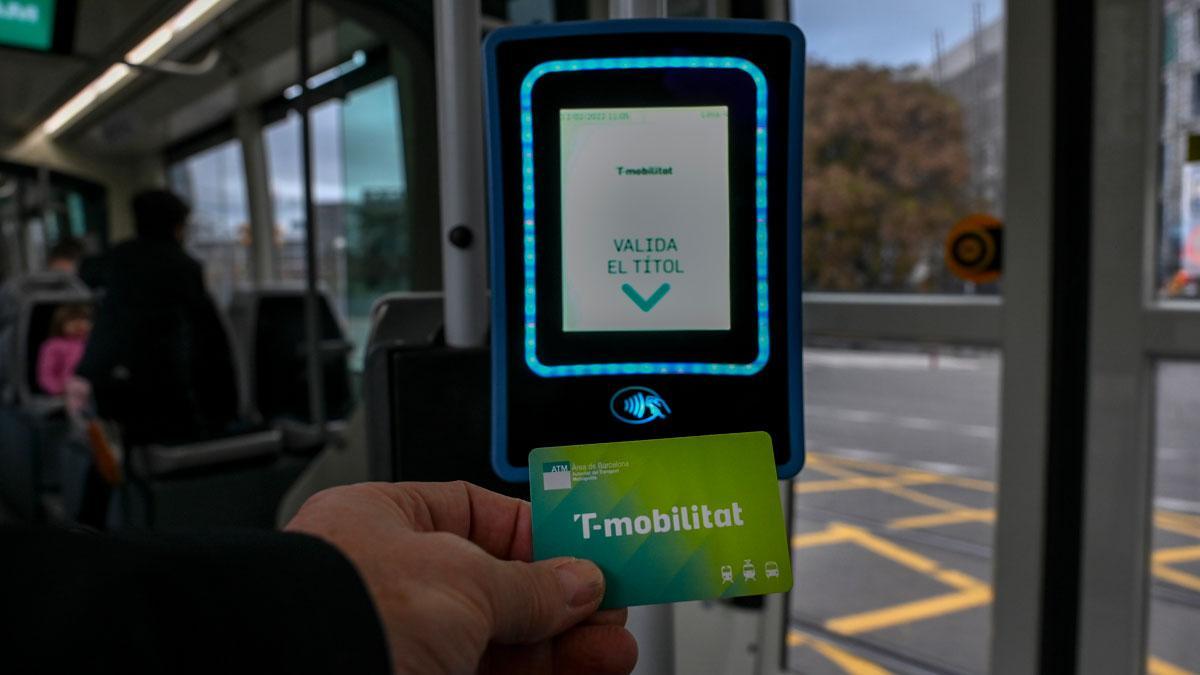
pixel 263 602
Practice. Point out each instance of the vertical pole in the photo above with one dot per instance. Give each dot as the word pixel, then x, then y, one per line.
pixel 248 125
pixel 21 219
pixel 1118 525
pixel 312 323
pixel 45 208
pixel 1030 136
pixel 460 150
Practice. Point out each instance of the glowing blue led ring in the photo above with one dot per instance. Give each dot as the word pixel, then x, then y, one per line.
pixel 760 200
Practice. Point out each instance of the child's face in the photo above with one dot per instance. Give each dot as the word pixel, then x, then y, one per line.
pixel 78 328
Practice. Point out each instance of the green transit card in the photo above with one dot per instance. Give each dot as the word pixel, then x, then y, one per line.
pixel 666 520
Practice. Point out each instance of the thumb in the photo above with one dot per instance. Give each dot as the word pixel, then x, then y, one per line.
pixel 533 601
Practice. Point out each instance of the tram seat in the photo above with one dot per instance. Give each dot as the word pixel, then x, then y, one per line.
pixel 428 407
pixel 33 426
pixel 411 318
pixel 269 326
pixel 40 295
pixel 236 480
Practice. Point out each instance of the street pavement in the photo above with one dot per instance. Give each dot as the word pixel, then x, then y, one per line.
pixel 893 514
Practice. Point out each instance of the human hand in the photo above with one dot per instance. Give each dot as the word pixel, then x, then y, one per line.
pixel 77 396
pixel 447 566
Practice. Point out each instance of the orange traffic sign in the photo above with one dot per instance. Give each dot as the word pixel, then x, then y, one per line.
pixel 974 248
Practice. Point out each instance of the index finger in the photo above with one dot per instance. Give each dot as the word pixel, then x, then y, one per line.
pixel 498 524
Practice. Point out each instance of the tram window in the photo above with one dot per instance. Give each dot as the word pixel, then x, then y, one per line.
pixel 1178 260
pixel 893 514
pixel 29 226
pixel 282 141
pixel 219 234
pixel 1175 558
pixel 904 136
pixel 360 194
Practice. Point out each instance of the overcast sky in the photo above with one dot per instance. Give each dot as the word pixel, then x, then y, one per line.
pixel 884 32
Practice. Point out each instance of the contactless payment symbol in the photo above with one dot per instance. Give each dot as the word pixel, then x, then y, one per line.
pixel 556 476
pixel 638 405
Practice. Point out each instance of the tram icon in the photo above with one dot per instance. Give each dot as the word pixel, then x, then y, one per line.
pixel 749 573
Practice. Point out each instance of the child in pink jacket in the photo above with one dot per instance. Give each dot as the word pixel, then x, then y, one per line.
pixel 61 352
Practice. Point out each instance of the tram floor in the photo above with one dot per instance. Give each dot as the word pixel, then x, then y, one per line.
pixel 893 544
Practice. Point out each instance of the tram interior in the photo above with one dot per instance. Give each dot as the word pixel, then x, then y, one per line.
pixel 893 521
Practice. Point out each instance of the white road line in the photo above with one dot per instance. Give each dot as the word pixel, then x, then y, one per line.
pixel 1171 504
pixel 889 360
pixel 1176 454
pixel 853 453
pixel 907 421
pixel 923 424
pixel 978 431
pixel 945 468
pixel 864 455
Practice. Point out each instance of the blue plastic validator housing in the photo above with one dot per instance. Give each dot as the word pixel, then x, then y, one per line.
pixel 537 402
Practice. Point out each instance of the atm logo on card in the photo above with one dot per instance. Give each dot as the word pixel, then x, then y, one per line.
pixel 556 476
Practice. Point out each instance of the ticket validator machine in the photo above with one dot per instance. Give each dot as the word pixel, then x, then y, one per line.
pixel 644 185
pixel 645 217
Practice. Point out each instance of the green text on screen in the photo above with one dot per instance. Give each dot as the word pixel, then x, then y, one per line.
pixel 645 218
pixel 27 23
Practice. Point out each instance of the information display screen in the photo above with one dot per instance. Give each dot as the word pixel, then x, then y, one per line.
pixel 645 218
pixel 28 24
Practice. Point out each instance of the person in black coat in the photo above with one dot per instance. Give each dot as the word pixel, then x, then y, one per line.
pixel 159 359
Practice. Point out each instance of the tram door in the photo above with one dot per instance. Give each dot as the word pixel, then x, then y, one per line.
pixel 1003 473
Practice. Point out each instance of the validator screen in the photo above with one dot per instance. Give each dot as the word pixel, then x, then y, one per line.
pixel 645 219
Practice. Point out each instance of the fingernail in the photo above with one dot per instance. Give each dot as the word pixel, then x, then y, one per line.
pixel 582 581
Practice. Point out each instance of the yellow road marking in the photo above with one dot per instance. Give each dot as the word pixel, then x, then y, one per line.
pixel 893 552
pixel 1156 666
pixel 890 485
pixel 835 533
pixel 1188 581
pixel 958 580
pixel 862 483
pixel 1179 523
pixel 970 483
pixel 910 611
pixel 924 499
pixel 842 472
pixel 947 518
pixel 970 592
pixel 1166 556
pixel 849 663
pixel 854 665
